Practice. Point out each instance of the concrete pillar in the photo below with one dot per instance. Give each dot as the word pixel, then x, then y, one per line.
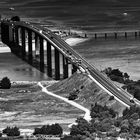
pixel 65 68
pixel 57 64
pixel 5 33
pixel 49 59
pixel 11 34
pixel 125 34
pixel 115 35
pixel 135 34
pixel 23 42
pixel 74 69
pixel 41 55
pixel 105 35
pixel 16 36
pixel 30 53
pixel 95 36
pixel 36 45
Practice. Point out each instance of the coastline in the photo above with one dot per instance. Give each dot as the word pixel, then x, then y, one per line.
pixel 72 41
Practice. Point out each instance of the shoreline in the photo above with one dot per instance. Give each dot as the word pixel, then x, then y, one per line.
pixel 72 41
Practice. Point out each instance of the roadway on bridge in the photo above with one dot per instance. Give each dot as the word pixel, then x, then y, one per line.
pixel 106 84
pixel 100 79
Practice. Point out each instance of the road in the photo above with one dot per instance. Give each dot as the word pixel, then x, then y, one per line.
pixel 93 73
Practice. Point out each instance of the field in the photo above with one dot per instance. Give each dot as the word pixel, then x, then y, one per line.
pixel 26 106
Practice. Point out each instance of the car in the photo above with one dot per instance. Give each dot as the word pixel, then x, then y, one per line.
pixel 132 101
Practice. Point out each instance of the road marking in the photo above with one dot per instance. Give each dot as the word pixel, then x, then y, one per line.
pixel 108 91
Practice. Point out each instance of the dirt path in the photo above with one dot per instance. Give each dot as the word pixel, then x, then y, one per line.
pixel 87 111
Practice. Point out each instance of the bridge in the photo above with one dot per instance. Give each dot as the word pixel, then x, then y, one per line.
pixel 50 54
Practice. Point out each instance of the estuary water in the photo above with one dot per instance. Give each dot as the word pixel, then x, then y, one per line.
pixel 120 53
pixel 16 69
pixel 85 16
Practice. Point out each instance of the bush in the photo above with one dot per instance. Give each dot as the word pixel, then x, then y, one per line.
pixel 5 83
pixel 111 98
pixel 73 95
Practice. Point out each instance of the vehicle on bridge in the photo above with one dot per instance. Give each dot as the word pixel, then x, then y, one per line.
pixel 132 100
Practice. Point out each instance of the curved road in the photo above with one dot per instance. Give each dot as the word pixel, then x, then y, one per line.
pixel 93 73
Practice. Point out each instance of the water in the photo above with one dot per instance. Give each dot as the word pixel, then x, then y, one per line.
pixel 118 53
pixel 87 16
pixel 18 70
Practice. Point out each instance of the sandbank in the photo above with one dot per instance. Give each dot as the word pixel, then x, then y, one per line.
pixel 75 41
pixel 4 49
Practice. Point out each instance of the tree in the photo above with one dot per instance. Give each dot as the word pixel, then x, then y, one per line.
pixel 117 72
pixel 81 128
pixel 126 76
pixel 6 130
pixel 98 111
pixel 5 83
pixel 12 131
pixel 54 129
pixel 15 18
pixel 125 126
pixel 137 130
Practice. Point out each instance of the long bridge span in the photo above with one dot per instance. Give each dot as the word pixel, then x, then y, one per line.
pixel 50 54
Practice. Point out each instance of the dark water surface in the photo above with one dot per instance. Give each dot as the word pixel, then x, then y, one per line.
pixel 18 70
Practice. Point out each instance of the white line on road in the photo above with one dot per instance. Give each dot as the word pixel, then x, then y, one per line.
pixel 107 91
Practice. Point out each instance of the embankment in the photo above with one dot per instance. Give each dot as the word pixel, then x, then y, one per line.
pixel 88 92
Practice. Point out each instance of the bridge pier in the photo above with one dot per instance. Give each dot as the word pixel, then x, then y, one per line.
pixel 16 36
pixel 23 43
pixel 41 55
pixel 65 68
pixel 49 59
pixel 36 45
pixel 57 64
pixel 4 32
pixel 11 35
pixel 30 52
